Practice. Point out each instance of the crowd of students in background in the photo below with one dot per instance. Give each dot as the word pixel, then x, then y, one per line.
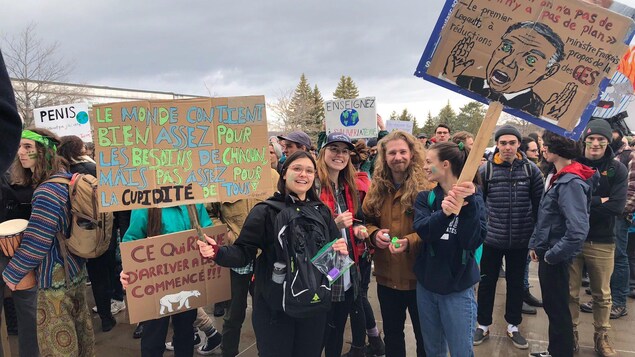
pixel 393 203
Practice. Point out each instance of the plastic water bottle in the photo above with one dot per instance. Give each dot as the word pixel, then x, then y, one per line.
pixel 279 272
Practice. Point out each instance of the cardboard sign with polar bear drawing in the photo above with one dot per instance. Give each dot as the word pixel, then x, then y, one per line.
pixel 168 274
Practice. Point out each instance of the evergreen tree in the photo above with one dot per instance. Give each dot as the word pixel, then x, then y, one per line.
pixel 393 116
pixel 346 89
pixel 317 115
pixel 470 117
pixel 429 126
pixel 302 104
pixel 447 116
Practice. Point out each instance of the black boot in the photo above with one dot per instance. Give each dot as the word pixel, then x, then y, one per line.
pixel 138 331
pixel 107 323
pixel 531 300
pixel 355 352
pixel 375 347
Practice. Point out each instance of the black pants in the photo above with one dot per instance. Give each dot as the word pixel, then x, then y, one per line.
pixel 235 315
pixel 25 302
pixel 336 323
pixel 393 304
pixel 362 316
pixel 279 335
pixel 515 261
pixel 156 331
pixel 630 250
pixel 104 281
pixel 554 285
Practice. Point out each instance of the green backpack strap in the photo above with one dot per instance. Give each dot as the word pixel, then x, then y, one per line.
pixel 431 198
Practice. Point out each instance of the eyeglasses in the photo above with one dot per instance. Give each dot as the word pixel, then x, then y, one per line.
pixel 336 151
pixel 299 169
pixel 534 150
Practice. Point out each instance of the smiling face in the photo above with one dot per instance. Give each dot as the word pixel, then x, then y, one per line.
pixel 299 177
pixel 27 154
pixel 435 170
pixel 520 61
pixel 595 146
pixel 336 156
pixel 398 156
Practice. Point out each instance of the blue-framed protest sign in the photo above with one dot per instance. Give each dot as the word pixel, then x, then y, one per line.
pixel 546 61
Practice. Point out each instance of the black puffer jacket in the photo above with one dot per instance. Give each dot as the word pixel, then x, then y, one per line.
pixel 613 185
pixel 512 197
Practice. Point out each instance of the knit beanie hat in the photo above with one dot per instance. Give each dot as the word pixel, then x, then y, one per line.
pixel 508 130
pixel 598 127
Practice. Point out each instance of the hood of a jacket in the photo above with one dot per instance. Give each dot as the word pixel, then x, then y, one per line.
pixel 576 168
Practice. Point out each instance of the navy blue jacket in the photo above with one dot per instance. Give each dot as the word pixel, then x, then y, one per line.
pixel 446 261
pixel 563 218
pixel 512 197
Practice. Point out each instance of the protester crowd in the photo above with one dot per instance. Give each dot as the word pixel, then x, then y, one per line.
pixel 394 207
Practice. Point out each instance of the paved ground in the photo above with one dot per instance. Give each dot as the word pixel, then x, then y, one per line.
pixel 119 342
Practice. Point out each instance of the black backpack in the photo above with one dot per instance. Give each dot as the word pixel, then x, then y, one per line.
pixel 301 231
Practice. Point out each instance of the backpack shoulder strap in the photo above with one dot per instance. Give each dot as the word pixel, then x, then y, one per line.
pixel 489 172
pixel 431 198
pixel 278 206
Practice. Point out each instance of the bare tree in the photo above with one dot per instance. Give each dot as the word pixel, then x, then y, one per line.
pixel 282 109
pixel 35 67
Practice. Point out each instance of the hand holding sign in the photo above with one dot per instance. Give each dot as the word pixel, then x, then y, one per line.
pixel 209 249
pixel 458 61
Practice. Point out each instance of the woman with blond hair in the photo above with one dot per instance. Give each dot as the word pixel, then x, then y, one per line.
pixel 64 324
pixel 389 212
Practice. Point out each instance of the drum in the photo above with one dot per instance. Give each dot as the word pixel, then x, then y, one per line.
pixel 10 238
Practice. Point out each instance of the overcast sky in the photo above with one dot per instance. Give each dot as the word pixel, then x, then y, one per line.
pixel 232 48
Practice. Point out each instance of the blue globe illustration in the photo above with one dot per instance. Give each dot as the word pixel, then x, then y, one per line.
pixel 349 117
pixel 82 117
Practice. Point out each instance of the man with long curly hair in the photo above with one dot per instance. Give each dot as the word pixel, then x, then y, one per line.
pixel 388 208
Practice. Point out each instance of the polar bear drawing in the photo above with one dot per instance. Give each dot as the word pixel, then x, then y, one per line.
pixel 182 298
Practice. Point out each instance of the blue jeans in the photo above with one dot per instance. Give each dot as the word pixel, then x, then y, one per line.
pixel 620 277
pixel 447 321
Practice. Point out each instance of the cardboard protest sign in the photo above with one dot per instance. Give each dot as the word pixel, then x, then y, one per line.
pixel 619 93
pixel 544 60
pixel 392 125
pixel 167 153
pixel 356 118
pixel 67 119
pixel 169 275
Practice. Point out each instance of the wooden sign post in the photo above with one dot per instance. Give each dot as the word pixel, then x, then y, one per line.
pixel 480 142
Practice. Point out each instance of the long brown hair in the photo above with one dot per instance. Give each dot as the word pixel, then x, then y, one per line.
pixel 154 222
pixel 47 162
pixel 347 176
pixel 382 184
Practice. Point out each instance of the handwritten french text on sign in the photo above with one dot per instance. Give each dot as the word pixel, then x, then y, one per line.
pixel 545 61
pixel 168 275
pixel 68 119
pixel 392 125
pixel 356 118
pixel 166 153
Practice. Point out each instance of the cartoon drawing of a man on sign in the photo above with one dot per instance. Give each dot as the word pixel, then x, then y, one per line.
pixel 529 53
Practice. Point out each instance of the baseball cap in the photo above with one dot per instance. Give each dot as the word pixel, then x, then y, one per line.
pixel 299 137
pixel 336 137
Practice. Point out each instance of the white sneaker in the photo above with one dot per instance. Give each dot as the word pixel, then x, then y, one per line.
pixel 116 306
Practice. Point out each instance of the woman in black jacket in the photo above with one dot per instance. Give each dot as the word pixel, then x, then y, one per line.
pixel 277 333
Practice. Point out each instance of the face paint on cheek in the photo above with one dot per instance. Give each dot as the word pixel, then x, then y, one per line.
pixel 433 169
pixel 32 154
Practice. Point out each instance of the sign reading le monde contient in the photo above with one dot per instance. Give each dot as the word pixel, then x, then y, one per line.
pixel 166 153
pixel 546 61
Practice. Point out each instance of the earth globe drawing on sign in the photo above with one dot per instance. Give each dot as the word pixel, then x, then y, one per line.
pixel 349 117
